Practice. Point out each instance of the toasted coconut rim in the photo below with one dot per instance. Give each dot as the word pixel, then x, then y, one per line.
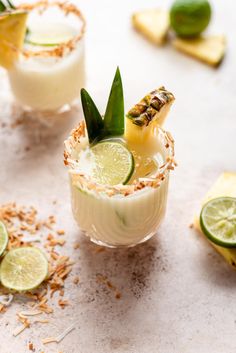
pixel 80 132
pixel 62 48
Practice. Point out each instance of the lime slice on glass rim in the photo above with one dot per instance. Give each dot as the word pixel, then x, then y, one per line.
pixel 3 238
pixel 218 221
pixel 113 163
pixel 23 269
pixel 49 35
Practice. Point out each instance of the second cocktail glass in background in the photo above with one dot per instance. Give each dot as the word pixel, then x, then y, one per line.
pixel 51 70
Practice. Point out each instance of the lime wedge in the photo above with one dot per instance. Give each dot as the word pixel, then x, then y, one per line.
pixel 218 221
pixel 49 34
pixel 113 163
pixel 3 238
pixel 23 269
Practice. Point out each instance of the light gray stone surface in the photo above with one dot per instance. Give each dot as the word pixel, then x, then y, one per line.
pixel 177 294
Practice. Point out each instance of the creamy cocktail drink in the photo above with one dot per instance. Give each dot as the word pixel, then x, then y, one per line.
pixel 119 168
pixel 49 71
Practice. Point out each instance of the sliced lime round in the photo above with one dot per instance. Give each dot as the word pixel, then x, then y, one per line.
pixel 49 35
pixel 113 163
pixel 218 221
pixel 23 269
pixel 3 238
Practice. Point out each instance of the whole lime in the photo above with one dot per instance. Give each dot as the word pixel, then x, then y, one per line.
pixel 189 18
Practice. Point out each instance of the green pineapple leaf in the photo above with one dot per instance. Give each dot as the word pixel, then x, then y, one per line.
pixel 2 7
pixel 93 118
pixel 114 116
pixel 11 4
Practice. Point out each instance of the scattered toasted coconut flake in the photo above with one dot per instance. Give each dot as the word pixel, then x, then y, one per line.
pixel 61 292
pixel 25 324
pixel 191 225
pixel 65 273
pixel 31 296
pixel 24 227
pixel 54 290
pixel 52 219
pixel 63 303
pixel 118 295
pixel 100 249
pixel 2 308
pixel 31 346
pixel 103 279
pixel 50 236
pixel 19 330
pixel 54 242
pixel 76 280
pixel 54 255
pixel 6 299
pixel 24 314
pixel 17 122
pixel 76 246
pixel 60 232
pixel 109 285
pixel 42 294
pixel 60 337
pixel 42 301
pixel 41 321
pixel 46 308
pixel 31 239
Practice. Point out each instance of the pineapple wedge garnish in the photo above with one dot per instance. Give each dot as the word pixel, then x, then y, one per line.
pixel 209 49
pixel 12 33
pixel 153 24
pixel 145 115
pixel 224 186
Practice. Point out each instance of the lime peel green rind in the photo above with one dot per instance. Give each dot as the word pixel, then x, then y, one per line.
pixel 23 269
pixel 222 232
pixel 3 238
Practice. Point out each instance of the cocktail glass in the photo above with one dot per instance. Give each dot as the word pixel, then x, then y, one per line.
pixel 121 215
pixel 49 77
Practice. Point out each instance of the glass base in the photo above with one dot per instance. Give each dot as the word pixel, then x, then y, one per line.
pixel 118 246
pixel 46 117
pixel 39 126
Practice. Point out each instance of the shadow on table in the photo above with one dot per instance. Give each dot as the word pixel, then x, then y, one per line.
pixel 213 267
pixel 128 269
pixel 117 282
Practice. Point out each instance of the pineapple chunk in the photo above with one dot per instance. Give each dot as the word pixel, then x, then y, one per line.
pixel 145 115
pixel 153 24
pixel 224 186
pixel 209 49
pixel 12 33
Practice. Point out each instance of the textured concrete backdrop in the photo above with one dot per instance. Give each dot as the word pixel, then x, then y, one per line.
pixel 177 294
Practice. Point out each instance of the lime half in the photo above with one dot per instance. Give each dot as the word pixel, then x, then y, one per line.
pixel 113 163
pixel 218 221
pixel 23 269
pixel 3 238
